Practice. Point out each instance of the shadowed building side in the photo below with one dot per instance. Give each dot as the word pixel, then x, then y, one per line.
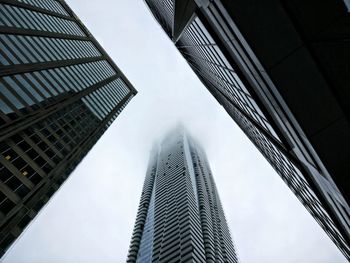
pixel 59 92
pixel 280 70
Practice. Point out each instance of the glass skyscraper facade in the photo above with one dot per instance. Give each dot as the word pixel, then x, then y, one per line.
pixel 180 217
pixel 59 92
pixel 280 70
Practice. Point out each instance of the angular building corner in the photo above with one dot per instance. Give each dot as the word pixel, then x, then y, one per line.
pixel 281 71
pixel 180 217
pixel 59 92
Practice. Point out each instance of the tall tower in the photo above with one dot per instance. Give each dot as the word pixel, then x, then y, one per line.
pixel 59 92
pixel 281 71
pixel 180 217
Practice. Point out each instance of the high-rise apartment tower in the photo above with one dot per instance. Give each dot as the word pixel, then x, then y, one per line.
pixel 59 92
pixel 180 217
pixel 281 71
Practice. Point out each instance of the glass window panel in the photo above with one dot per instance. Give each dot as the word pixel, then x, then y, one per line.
pixel 83 45
pixel 36 49
pixel 24 18
pixel 4 107
pixel 54 53
pixel 10 97
pixel 86 78
pixel 42 47
pixel 61 73
pixel 8 53
pixel 59 79
pixel 92 108
pixel 70 48
pixel 75 28
pixel 17 16
pixel 69 27
pixel 78 50
pixel 60 47
pixel 3 60
pixel 44 22
pixel 59 7
pixel 89 70
pixel 115 94
pixel 37 85
pixel 71 80
pixel 96 101
pixel 106 102
pixel 35 21
pixel 93 49
pixel 107 68
pixel 46 84
pixel 50 5
pixel 29 50
pixel 67 49
pixel 29 88
pixel 50 48
pixel 3 16
pixel 110 94
pixel 52 81
pixel 102 74
pixel 81 78
pixel 21 42
pixel 18 90
pixel 76 82
pixel 11 17
pixel 13 44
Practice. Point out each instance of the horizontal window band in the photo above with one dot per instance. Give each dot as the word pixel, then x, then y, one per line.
pixel 39 33
pixel 20 49
pixel 24 68
pixel 35 8
pixel 17 17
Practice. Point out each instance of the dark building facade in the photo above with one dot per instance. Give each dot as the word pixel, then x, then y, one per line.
pixel 59 92
pixel 180 217
pixel 281 71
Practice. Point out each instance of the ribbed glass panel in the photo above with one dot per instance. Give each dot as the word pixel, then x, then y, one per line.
pixel 27 49
pixel 12 16
pixel 105 99
pixel 50 5
pixel 25 90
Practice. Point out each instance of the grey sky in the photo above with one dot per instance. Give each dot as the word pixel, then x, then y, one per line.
pixel 91 218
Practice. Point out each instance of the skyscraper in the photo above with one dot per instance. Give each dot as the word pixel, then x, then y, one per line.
pixel 59 92
pixel 180 217
pixel 281 71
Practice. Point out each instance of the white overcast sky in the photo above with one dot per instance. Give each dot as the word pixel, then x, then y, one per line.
pixel 90 219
